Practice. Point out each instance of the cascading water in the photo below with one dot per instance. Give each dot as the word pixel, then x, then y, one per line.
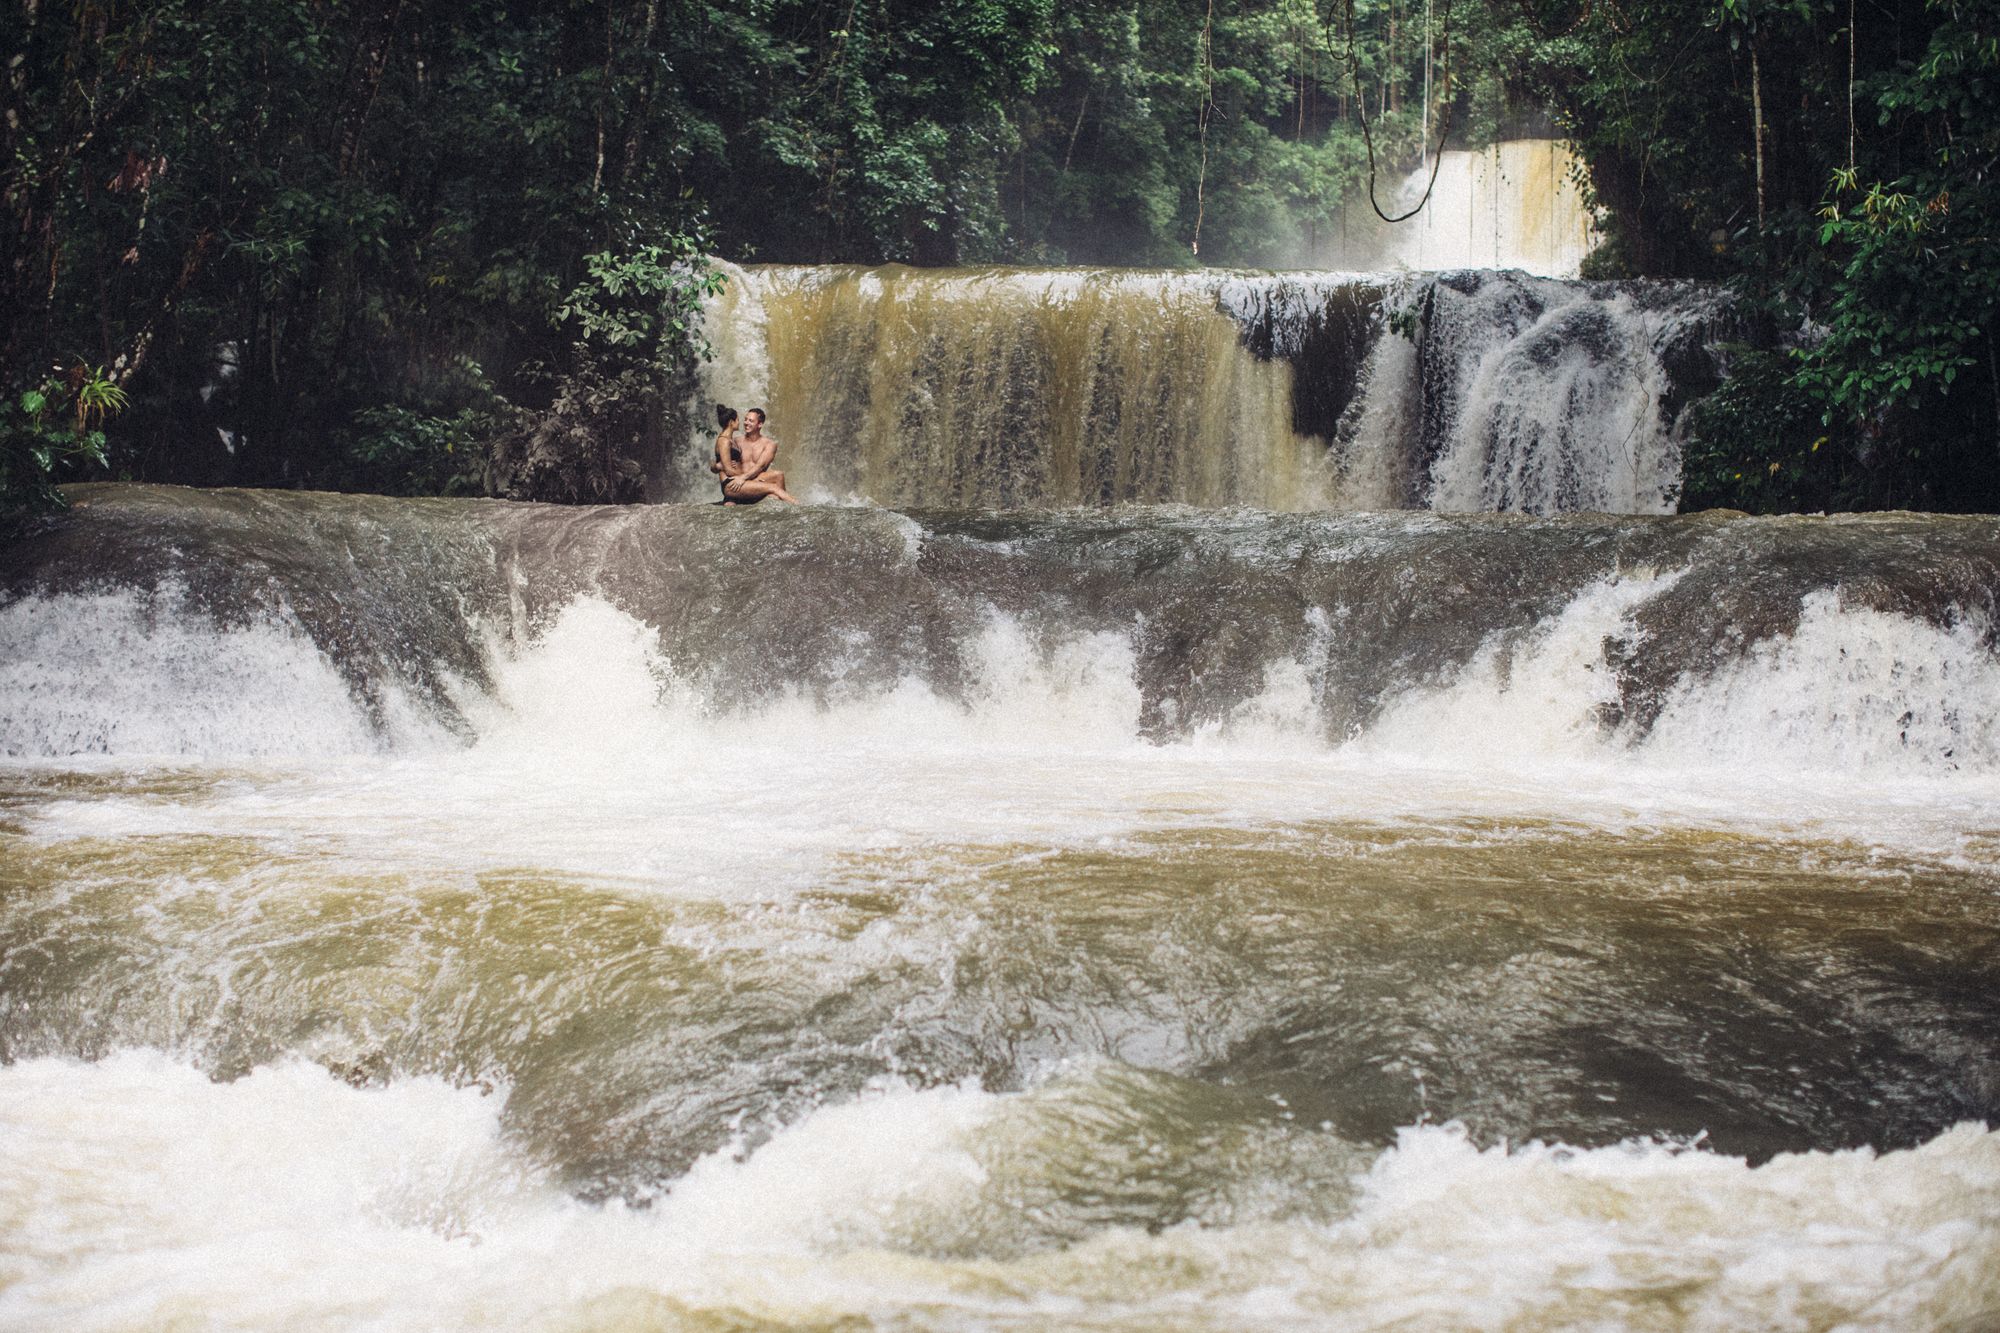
pixel 434 914
pixel 1011 388
pixel 1463 392
pixel 1514 204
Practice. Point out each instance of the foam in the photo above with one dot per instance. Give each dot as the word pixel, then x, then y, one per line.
pixel 135 1192
pixel 1854 690
pixel 1529 701
pixel 595 753
pixel 137 674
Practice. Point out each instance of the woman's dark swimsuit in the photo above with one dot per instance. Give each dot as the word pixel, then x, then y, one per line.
pixel 736 457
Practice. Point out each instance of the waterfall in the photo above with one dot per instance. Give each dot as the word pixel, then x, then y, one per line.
pixel 1005 388
pixel 1514 204
pixel 1527 395
pixel 1019 388
pixel 265 623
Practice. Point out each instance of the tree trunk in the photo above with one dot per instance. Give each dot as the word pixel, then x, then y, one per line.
pixel 368 72
pixel 639 113
pixel 1757 124
pixel 1392 87
pixel 1850 84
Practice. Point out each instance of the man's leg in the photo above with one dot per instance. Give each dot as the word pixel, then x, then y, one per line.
pixel 756 489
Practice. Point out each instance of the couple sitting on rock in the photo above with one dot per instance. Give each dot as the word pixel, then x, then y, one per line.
pixel 743 461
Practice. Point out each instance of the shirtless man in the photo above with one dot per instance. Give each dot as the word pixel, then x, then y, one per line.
pixel 747 472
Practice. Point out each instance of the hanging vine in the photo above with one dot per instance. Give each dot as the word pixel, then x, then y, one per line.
pixel 1368 137
pixel 1207 110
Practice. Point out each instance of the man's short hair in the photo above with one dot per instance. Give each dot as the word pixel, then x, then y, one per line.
pixel 762 415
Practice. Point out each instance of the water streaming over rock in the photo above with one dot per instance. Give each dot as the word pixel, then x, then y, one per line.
pixel 405 602
pixel 435 914
pixel 1467 391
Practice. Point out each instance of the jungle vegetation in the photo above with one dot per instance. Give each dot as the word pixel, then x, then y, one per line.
pixel 433 248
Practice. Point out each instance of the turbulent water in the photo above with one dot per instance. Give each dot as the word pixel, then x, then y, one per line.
pixel 432 914
pixel 1463 392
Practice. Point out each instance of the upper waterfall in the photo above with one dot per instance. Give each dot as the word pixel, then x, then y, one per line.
pixel 1517 204
pixel 1466 391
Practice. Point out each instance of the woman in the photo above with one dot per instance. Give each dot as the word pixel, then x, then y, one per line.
pixel 728 453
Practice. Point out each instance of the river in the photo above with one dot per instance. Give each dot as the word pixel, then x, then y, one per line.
pixel 454 914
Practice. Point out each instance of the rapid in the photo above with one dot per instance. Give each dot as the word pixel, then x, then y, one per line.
pixel 456 914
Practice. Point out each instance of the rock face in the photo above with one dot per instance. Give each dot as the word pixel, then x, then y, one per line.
pixel 406 600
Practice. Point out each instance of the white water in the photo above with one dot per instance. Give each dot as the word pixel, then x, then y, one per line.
pixel 137 1192
pixel 592 757
pixel 1516 204
pixel 116 672
pixel 1574 432
pixel 1003 388
pixel 1856 690
pixel 1551 399
pixel 1372 454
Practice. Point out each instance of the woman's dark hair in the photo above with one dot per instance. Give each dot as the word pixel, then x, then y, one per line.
pixel 724 414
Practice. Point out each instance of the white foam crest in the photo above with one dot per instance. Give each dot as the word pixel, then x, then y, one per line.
pixel 596 681
pixel 1083 688
pixel 593 756
pixel 1852 690
pixel 1283 718
pixel 1517 702
pixel 857 1173
pixel 589 685
pixel 135 1186
pixel 136 1192
pixel 1599 1237
pixel 129 674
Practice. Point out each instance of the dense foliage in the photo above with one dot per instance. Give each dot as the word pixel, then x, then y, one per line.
pixel 345 246
pixel 372 246
pixel 1835 161
pixel 421 247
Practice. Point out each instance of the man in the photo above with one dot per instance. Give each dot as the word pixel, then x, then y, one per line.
pixel 752 478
